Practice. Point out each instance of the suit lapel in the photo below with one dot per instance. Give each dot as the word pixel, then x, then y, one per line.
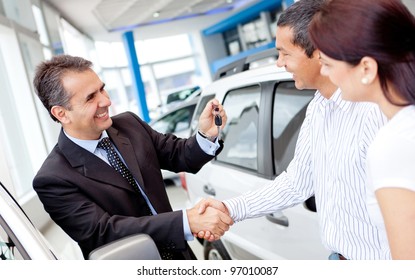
pixel 92 166
pixel 126 149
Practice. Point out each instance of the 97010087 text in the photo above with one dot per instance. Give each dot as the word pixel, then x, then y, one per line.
pixel 243 270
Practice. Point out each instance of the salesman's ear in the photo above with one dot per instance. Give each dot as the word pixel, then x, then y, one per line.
pixel 59 112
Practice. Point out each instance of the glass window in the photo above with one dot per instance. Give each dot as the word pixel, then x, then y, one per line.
pixel 289 109
pixel 232 41
pixel 47 53
pixel 21 12
pixel 175 122
pixel 241 130
pixel 171 68
pixel 181 94
pixel 116 90
pixel 40 25
pixel 23 140
pixel 52 25
pixel 163 70
pixel 255 33
pixel 153 97
pixel 164 48
pixel 111 54
pixel 76 43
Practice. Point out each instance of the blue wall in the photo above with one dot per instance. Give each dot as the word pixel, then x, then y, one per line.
pixel 242 17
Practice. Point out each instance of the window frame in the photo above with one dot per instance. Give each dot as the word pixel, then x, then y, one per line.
pixel 265 156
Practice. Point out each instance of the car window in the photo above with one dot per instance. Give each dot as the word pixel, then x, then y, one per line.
pixel 181 94
pixel 176 121
pixel 289 109
pixel 241 130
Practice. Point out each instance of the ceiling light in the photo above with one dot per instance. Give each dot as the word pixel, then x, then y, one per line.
pixel 156 14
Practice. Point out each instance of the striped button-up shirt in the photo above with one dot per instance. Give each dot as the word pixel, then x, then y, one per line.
pixel 329 162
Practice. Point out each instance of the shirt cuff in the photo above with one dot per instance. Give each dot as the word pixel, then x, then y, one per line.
pixel 188 235
pixel 207 146
pixel 236 207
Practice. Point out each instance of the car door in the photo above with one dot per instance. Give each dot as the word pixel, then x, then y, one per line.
pixel 19 239
pixel 260 136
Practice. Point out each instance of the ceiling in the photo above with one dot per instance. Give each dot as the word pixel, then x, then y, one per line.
pixel 107 19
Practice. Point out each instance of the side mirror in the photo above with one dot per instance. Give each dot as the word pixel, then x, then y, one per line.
pixel 135 247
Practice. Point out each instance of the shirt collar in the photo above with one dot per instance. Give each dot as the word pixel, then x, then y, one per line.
pixel 89 145
pixel 335 99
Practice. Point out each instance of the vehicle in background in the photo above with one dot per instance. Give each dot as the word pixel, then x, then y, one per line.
pixel 265 112
pixel 176 121
pixel 182 95
pixel 21 240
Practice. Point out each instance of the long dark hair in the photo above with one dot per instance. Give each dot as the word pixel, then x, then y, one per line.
pixel 348 30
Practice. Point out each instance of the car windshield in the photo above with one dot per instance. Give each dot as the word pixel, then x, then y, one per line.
pixel 181 94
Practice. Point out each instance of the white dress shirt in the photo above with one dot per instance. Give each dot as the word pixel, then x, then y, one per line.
pixel 329 162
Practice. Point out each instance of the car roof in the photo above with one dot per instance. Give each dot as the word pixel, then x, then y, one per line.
pixel 248 77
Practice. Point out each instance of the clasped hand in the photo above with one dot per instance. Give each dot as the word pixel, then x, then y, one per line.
pixel 209 219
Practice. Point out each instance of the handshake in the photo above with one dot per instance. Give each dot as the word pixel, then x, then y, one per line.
pixel 209 219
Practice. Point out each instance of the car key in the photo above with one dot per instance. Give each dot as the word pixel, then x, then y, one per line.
pixel 218 120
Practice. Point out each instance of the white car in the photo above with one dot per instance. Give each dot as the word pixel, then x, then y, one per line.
pixel 20 240
pixel 265 112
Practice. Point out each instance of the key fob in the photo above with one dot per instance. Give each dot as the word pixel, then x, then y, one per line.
pixel 218 120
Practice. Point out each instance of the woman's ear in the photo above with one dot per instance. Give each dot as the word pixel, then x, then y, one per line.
pixel 60 113
pixel 369 68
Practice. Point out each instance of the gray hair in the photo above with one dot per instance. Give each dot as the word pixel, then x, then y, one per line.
pixel 48 80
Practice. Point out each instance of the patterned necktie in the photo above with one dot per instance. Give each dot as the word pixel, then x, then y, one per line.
pixel 120 167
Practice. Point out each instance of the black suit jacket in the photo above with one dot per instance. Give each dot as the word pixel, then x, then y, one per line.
pixel 92 202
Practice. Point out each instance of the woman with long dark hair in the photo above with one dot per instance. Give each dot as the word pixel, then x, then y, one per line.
pixel 367 48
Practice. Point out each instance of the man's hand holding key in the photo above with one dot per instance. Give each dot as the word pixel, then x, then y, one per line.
pixel 212 120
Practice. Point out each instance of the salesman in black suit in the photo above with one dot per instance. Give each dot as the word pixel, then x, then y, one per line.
pixel 86 196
